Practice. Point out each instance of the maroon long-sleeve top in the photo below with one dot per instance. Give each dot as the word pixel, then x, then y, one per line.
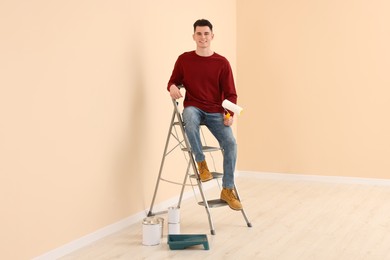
pixel 207 80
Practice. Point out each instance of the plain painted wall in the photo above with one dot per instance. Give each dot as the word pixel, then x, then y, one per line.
pixel 315 87
pixel 84 111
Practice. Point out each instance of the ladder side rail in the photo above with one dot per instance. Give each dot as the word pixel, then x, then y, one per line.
pixel 184 184
pixel 242 210
pixel 162 164
pixel 248 223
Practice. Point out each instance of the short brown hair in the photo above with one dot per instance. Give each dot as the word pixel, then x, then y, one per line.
pixel 203 22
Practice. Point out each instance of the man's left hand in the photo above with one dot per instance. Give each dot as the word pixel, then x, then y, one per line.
pixel 228 120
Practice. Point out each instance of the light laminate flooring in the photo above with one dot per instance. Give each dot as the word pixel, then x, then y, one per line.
pixel 291 219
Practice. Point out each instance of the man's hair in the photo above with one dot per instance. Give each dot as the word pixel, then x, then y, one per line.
pixel 203 22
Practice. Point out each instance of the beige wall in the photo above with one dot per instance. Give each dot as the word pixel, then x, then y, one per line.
pixel 314 82
pixel 84 112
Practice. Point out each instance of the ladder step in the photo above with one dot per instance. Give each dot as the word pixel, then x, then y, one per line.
pixel 206 149
pixel 214 203
pixel 216 175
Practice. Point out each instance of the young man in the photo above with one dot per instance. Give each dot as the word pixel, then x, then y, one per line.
pixel 208 80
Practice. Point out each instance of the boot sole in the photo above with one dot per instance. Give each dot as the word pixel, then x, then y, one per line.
pixel 207 179
pixel 236 209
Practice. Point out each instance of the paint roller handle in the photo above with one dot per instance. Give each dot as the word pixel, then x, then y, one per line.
pixel 227 119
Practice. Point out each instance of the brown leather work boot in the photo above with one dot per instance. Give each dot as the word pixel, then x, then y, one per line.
pixel 230 197
pixel 205 174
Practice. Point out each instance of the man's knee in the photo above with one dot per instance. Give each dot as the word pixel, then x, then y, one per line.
pixel 229 144
pixel 191 117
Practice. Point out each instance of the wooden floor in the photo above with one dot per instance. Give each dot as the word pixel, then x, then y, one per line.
pixel 291 220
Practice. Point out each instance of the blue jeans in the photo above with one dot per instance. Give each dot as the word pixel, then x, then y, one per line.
pixel 193 117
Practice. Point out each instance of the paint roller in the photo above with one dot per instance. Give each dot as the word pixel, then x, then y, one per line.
pixel 227 105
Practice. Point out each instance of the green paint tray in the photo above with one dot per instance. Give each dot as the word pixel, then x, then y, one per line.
pixel 182 241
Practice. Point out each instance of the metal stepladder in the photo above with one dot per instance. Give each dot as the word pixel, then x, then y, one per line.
pixel 177 132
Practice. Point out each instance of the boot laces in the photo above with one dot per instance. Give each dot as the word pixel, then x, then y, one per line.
pixel 231 194
pixel 202 167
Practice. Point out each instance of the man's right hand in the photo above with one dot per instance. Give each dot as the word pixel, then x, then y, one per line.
pixel 175 92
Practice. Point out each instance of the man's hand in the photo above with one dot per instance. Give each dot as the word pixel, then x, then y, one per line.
pixel 175 92
pixel 228 120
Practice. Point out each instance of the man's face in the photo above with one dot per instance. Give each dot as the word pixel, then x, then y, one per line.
pixel 203 36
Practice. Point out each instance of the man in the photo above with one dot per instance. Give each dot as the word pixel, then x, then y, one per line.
pixel 208 80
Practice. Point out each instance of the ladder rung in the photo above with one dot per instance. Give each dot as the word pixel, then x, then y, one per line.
pixel 214 203
pixel 216 175
pixel 205 149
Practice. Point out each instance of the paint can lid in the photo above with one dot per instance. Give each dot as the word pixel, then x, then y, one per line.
pixel 151 221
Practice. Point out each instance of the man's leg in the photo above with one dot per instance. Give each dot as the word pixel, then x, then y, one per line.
pixel 192 118
pixel 227 141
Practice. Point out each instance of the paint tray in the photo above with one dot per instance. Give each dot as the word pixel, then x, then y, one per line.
pixel 182 241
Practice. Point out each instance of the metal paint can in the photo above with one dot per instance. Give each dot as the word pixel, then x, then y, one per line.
pixel 151 231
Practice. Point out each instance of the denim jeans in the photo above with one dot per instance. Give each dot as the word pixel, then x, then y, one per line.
pixel 193 117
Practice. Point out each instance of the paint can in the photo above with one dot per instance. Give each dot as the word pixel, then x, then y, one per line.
pixel 173 220
pixel 173 228
pixel 151 231
pixel 173 215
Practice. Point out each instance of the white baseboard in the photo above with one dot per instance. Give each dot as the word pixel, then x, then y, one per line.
pixel 90 238
pixel 314 178
pixel 116 227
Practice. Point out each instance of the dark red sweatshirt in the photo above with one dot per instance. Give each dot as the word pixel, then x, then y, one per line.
pixel 207 80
